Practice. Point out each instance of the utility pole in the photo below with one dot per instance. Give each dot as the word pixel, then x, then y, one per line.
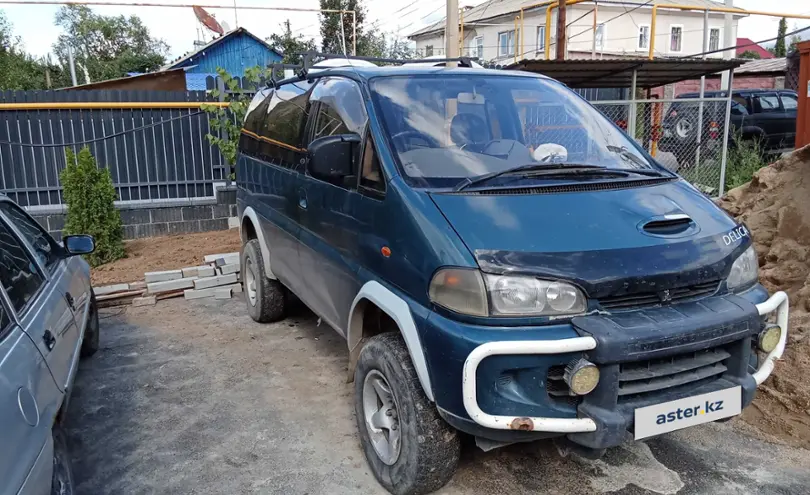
pixel 728 42
pixel 451 31
pixel 72 64
pixel 561 30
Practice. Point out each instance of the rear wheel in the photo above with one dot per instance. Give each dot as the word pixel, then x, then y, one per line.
pixel 265 298
pixel 91 330
pixel 409 447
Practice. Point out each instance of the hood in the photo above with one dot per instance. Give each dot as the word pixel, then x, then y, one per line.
pixel 656 237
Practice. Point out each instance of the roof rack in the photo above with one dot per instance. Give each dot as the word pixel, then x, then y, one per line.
pixel 302 69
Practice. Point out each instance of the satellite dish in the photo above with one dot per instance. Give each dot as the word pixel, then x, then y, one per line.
pixel 207 20
pixel 225 26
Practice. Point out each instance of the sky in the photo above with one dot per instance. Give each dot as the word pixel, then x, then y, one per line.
pixel 179 28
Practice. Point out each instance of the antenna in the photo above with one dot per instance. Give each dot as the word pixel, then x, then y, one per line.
pixel 207 20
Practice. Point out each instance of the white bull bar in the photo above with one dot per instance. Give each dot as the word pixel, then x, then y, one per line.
pixel 777 302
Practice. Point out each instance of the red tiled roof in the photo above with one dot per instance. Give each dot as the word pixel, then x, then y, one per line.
pixel 747 45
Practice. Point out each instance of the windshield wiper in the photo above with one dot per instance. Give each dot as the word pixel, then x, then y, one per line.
pixel 631 157
pixel 543 168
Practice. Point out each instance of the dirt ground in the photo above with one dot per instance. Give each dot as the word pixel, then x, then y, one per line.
pixel 165 253
pixel 775 206
pixel 194 397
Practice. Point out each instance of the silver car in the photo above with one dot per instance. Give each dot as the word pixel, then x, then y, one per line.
pixel 48 319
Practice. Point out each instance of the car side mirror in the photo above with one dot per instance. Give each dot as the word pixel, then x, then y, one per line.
pixel 332 157
pixel 79 244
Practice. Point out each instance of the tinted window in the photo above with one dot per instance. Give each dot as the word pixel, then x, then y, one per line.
pixel 286 115
pixel 46 249
pixel 5 320
pixel 767 103
pixel 18 272
pixel 790 102
pixel 341 109
pixel 737 109
pixel 371 175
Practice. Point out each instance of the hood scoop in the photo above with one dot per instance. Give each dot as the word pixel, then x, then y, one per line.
pixel 672 225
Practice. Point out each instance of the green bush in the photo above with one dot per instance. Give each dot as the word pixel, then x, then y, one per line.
pixel 744 158
pixel 89 195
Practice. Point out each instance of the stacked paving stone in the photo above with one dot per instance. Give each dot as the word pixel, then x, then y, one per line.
pixel 218 277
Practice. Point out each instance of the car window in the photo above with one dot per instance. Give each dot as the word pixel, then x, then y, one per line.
pixel 790 102
pixel 45 248
pixel 737 109
pixel 371 175
pixel 767 103
pixel 341 109
pixel 742 102
pixel 19 273
pixel 5 320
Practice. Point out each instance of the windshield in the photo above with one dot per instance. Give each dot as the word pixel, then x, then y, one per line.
pixel 447 128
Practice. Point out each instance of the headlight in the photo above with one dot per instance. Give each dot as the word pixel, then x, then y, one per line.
pixel 744 271
pixel 464 290
pixel 528 296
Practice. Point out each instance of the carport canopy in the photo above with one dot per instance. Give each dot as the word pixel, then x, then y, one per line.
pixel 618 73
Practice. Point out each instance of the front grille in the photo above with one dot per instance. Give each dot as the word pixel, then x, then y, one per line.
pixel 658 374
pixel 646 299
pixel 556 387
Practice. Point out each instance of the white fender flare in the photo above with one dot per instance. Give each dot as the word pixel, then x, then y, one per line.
pixel 257 226
pixel 395 307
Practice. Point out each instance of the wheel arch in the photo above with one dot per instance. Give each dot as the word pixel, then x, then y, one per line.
pixel 251 228
pixel 374 293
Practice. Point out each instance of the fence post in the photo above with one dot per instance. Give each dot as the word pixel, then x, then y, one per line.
pixel 631 115
pixel 724 158
pixel 223 134
pixel 702 92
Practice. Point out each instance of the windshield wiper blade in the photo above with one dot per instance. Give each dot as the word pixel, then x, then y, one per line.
pixel 631 157
pixel 543 168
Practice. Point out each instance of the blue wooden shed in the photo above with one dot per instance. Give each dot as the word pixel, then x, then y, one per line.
pixel 234 51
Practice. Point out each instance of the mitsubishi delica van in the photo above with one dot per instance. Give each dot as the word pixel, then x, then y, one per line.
pixel 502 260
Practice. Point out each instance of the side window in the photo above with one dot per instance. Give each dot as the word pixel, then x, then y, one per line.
pixel 249 142
pixel 18 273
pixel 282 126
pixel 766 103
pixel 341 110
pixel 742 101
pixel 790 102
pixel 737 109
pixel 5 320
pixel 45 248
pixel 371 175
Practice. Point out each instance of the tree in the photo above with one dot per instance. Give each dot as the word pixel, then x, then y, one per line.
pixel 370 43
pixel 291 46
pixel 107 47
pixel 19 70
pixel 779 48
pixel 751 55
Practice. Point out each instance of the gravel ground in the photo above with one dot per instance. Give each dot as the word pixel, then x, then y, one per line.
pixel 194 397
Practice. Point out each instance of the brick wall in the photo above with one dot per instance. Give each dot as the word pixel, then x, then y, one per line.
pixel 157 220
pixel 713 84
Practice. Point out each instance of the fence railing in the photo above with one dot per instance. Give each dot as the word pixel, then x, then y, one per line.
pixel 153 143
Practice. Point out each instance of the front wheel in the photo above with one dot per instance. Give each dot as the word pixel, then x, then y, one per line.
pixel 265 298
pixel 409 447
pixel 91 330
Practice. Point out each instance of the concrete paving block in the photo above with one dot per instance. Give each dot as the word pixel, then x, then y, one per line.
pixel 137 285
pixel 210 258
pixel 162 276
pixel 204 283
pixel 109 289
pixel 228 269
pixel 233 222
pixel 180 283
pixel 144 301
pixel 199 293
pixel 236 288
pixel 223 293
pixel 199 271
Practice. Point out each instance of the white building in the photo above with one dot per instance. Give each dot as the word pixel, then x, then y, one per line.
pixel 623 29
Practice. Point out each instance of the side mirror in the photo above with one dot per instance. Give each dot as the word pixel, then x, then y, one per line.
pixel 332 157
pixel 79 244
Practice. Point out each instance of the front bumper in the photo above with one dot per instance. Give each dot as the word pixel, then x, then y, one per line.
pixel 594 416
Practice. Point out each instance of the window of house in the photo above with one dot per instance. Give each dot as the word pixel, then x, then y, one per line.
pixel 675 39
pixel 714 39
pixel 371 175
pixel 18 273
pixel 643 37
pixel 506 43
pixel 477 47
pixel 600 36
pixel 428 50
pixel 789 102
pixel 541 38
pixel 45 248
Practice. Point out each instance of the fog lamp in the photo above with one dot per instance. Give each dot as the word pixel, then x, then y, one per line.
pixel 582 376
pixel 769 338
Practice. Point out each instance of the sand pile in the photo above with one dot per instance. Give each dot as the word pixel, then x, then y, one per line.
pixel 775 206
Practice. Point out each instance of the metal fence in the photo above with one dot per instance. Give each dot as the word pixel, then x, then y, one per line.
pixel 156 151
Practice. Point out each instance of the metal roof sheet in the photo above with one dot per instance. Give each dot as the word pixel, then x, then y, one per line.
pixel 763 65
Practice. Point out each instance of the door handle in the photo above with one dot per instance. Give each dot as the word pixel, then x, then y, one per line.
pixel 49 340
pixel 302 199
pixel 70 301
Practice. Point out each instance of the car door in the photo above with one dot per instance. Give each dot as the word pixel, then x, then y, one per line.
pixel 276 161
pixel 29 402
pixel 769 116
pixel 331 219
pixel 35 286
pixel 790 103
